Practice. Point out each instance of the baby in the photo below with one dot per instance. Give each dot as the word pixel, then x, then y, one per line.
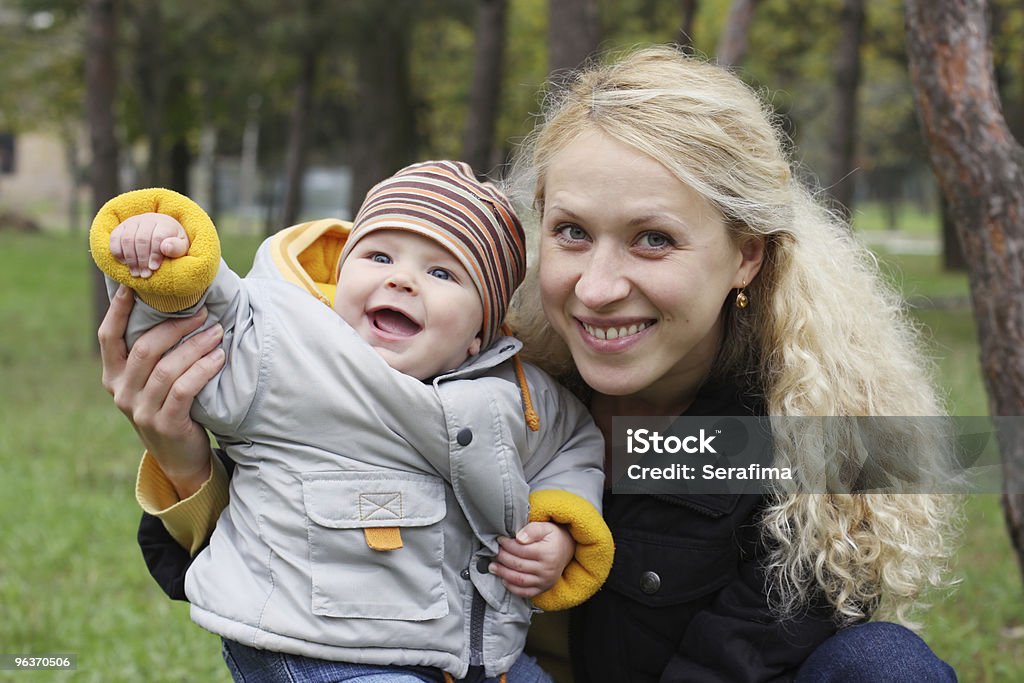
pixel 383 448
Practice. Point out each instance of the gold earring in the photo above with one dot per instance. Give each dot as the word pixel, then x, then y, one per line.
pixel 742 300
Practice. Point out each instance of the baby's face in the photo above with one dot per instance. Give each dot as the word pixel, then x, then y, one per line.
pixel 412 301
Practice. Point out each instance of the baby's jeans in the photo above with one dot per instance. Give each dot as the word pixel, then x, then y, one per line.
pixel 249 665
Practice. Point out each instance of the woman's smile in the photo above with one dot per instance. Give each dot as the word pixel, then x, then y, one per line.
pixel 611 336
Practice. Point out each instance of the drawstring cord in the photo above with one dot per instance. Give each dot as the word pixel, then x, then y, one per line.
pixel 532 419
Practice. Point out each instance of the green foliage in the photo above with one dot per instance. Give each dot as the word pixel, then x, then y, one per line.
pixel 40 66
pixel 443 77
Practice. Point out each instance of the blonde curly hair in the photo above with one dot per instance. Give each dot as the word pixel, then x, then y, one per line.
pixel 823 336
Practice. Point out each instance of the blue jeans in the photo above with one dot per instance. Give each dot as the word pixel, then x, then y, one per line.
pixel 875 652
pixel 249 665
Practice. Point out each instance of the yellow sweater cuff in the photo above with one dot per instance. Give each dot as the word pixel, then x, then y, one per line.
pixel 178 283
pixel 189 521
pixel 595 549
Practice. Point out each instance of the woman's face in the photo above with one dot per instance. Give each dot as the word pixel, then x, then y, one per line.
pixel 634 269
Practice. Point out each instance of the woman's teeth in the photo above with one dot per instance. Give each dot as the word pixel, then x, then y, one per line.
pixel 609 333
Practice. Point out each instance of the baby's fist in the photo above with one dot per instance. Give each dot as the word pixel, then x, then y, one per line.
pixel 142 242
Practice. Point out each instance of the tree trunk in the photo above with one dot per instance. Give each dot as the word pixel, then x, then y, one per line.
pixel 179 161
pixel 574 33
pixel 980 169
pixel 295 162
pixel 846 81
pixel 206 186
pixel 69 138
pixel 732 44
pixel 685 37
pixel 485 92
pixel 150 73
pixel 953 258
pixel 383 121
pixel 248 177
pixel 100 85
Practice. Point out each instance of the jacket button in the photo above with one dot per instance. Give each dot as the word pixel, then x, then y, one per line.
pixel 464 573
pixel 464 437
pixel 483 564
pixel 650 582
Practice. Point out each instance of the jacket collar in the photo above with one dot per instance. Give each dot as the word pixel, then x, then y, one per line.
pixel 501 350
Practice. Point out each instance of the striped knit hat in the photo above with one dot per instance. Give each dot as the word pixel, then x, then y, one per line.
pixel 443 200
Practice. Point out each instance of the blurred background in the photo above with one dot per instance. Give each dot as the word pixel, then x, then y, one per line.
pixel 270 112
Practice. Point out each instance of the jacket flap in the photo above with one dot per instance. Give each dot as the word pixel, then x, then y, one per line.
pixel 358 500
pixel 658 570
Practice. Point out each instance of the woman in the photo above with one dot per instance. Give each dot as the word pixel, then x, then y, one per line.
pixel 683 271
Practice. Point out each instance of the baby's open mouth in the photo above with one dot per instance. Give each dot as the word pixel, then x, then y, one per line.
pixel 394 322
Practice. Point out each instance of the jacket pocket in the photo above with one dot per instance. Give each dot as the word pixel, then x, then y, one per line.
pixel 656 570
pixel 350 579
pixel 659 583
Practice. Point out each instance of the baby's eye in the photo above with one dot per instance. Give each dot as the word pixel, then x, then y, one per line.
pixel 378 257
pixel 440 274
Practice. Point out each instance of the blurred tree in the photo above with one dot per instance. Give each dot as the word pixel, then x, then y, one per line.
pixel 151 64
pixel 953 257
pixel 1007 36
pixel 100 88
pixel 980 169
pixel 41 84
pixel 526 70
pixel 442 71
pixel 383 119
pixel 688 9
pixel 310 42
pixel 846 80
pixel 891 158
pixel 485 92
pixel 733 43
pixel 574 33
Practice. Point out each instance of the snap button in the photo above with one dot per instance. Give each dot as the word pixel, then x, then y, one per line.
pixel 464 573
pixel 650 582
pixel 483 564
pixel 465 436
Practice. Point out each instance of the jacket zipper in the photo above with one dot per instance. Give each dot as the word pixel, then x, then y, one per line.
pixel 476 630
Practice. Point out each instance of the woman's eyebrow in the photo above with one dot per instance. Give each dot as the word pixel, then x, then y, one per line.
pixel 562 211
pixel 657 218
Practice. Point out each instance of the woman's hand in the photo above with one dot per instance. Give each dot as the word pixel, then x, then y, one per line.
pixel 532 562
pixel 155 392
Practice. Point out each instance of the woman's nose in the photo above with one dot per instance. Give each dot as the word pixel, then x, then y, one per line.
pixel 602 281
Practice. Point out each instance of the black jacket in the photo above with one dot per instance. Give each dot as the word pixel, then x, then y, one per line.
pixel 686 598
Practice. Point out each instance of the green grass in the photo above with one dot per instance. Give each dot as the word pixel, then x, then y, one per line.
pixel 921 278
pixel 907 217
pixel 72 579
pixel 977 628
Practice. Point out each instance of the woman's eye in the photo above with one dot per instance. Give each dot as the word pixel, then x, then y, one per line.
pixel 440 274
pixel 573 233
pixel 654 240
pixel 380 258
